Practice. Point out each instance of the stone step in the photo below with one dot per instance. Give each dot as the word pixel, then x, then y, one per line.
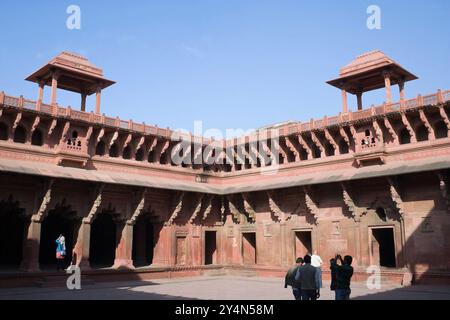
pixel 53 282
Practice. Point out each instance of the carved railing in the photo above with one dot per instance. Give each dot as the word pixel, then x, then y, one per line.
pixel 419 101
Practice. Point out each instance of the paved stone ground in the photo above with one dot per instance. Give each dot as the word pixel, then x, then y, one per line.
pixel 214 288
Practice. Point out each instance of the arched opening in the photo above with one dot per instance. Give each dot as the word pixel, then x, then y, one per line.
pixel 127 153
pixel 303 154
pixel 20 134
pixel 405 137
pixel 37 138
pixel 3 131
pixel 140 155
pixel 422 133
pixel 12 233
pixel 343 147
pixel 60 221
pixel 316 152
pixel 330 150
pixel 114 151
pixel 100 149
pixel 103 241
pixel 143 242
pixel 440 130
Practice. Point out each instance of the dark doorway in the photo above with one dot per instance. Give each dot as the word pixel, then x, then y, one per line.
pixel 58 222
pixel 12 232
pixel 383 247
pixel 303 243
pixel 249 248
pixel 103 241
pixel 143 242
pixel 210 247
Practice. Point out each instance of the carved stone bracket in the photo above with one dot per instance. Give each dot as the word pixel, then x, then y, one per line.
pixel 198 208
pixel 44 206
pixel 378 131
pixel 178 207
pixel 52 127
pixel 279 214
pixel 395 196
pixel 424 119
pixel 390 129
pixel 139 208
pixel 36 122
pixel 408 127
pixel 248 207
pixel 330 139
pixel 17 120
pixel 444 117
pixel 344 135
pixel 235 213
pixel 208 207
pixel 311 205
pixel 355 211
pixel 95 205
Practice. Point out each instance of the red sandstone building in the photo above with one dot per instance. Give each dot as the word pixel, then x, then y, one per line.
pixel 372 183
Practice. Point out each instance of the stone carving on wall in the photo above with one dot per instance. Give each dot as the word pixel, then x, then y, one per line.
pixel 44 206
pixel 311 205
pixel 177 209
pixel 197 209
pixel 395 196
pixel 96 204
pixel 208 208
pixel 349 202
pixel 139 208
pixel 249 207
pixel 235 213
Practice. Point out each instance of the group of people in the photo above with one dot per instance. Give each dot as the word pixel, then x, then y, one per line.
pixel 305 277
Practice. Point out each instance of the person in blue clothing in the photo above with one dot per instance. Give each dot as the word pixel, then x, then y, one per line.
pixel 60 252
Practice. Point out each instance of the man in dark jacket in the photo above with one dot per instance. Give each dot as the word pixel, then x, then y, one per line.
pixel 344 273
pixel 309 280
pixel 290 279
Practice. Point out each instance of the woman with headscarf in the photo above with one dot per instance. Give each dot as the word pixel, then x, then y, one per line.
pixel 60 252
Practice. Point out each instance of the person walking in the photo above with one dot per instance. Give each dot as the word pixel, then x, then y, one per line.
pixel 60 252
pixel 344 272
pixel 290 279
pixel 333 275
pixel 316 261
pixel 307 276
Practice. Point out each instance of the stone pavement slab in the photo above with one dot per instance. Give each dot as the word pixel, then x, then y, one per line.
pixel 215 288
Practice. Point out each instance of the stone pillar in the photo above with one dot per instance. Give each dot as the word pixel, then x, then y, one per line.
pixel 82 247
pixel 387 84
pixel 283 243
pixel 98 96
pixel 40 94
pixel 125 246
pixel 30 260
pixel 83 102
pixel 344 101
pixel 359 98
pixel 163 246
pixel 55 77
pixel 401 88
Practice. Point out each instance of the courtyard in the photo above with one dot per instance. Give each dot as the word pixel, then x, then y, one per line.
pixel 216 288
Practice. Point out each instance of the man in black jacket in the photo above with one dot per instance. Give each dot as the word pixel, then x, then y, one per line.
pixel 290 279
pixel 309 280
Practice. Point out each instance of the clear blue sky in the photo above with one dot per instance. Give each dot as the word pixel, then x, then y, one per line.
pixel 231 63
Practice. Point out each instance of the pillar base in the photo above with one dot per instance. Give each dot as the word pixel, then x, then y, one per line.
pixel 123 264
pixel 27 266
